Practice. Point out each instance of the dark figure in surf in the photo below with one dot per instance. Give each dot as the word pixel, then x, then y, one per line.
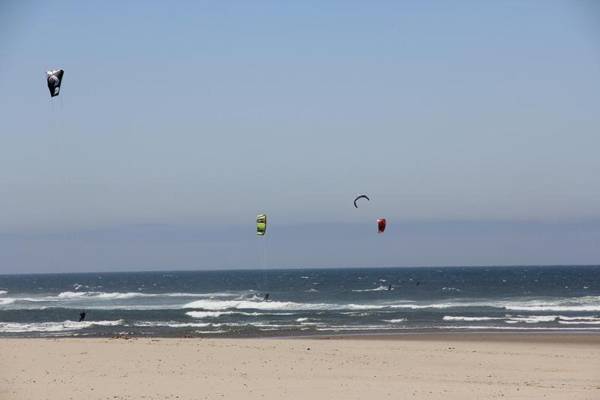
pixel 266 297
pixel 418 283
pixel 389 287
pixel 81 316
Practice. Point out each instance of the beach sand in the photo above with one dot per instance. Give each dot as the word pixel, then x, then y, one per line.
pixel 449 366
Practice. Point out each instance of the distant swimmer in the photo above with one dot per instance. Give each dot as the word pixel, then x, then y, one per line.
pixel 81 316
pixel 389 287
pixel 418 283
pixel 266 297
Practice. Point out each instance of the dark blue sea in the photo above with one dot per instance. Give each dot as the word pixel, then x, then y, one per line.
pixel 302 302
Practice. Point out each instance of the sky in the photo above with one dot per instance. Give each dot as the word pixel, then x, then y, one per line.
pixel 473 126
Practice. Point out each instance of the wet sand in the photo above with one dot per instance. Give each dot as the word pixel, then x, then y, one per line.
pixel 424 366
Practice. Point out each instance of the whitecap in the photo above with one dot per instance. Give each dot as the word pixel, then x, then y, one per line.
pixel 461 318
pixel 341 328
pixel 581 318
pixel 555 308
pixel 377 289
pixel 532 319
pixel 6 301
pixel 257 305
pixel 17 327
pixel 217 314
pixel 173 324
pixel 130 295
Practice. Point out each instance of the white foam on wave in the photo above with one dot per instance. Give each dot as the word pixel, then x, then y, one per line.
pixel 360 328
pixel 470 319
pixel 532 319
pixel 131 295
pixel 3 292
pixel 358 307
pixel 579 322
pixel 555 308
pixel 36 299
pixel 209 295
pixel 17 327
pixel 585 303
pixel 217 305
pixel 217 314
pixel 527 319
pixel 259 304
pixel 432 305
pixel 581 318
pixel 6 301
pixel 70 295
pixel 101 295
pixel 173 324
pixel 395 320
pixel 377 289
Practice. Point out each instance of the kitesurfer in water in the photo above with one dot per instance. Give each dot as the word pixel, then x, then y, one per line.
pixel 81 316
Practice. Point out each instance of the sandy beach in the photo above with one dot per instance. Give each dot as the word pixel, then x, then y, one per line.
pixel 450 366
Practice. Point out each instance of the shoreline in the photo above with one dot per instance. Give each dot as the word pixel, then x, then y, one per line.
pixel 585 336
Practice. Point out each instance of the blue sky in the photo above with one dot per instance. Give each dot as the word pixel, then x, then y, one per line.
pixel 177 123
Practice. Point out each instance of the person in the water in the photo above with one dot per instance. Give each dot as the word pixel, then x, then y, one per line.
pixel 266 297
pixel 390 286
pixel 81 316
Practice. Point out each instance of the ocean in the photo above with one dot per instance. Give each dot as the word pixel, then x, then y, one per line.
pixel 302 302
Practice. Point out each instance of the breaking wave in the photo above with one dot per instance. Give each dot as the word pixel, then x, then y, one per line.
pixel 131 295
pixel 64 326
pixel 6 301
pixel 217 314
pixel 469 319
pixel 254 305
pixel 395 320
pixel 377 289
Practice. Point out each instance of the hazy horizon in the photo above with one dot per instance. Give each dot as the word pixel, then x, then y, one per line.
pixel 160 247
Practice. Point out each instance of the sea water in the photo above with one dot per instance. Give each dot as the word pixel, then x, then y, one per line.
pixel 302 301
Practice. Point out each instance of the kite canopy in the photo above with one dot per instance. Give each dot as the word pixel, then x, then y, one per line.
pixel 362 196
pixel 261 224
pixel 54 79
pixel 381 225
